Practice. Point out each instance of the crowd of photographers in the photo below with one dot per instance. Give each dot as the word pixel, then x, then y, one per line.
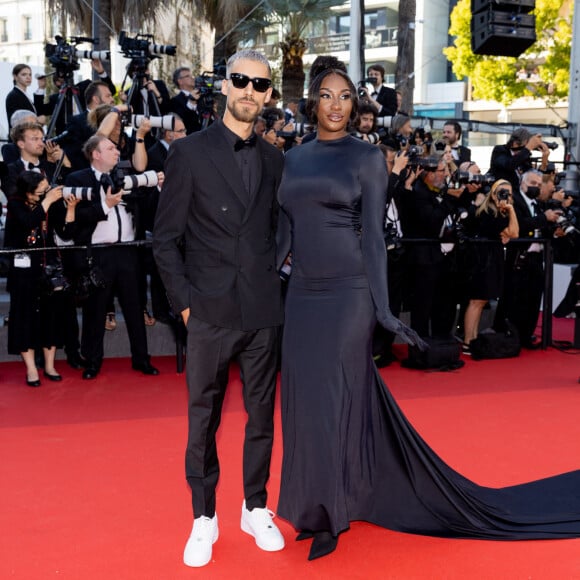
pixel 101 169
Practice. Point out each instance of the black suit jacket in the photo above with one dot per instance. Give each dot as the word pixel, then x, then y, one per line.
pixel 387 97
pixel 190 118
pixel 464 154
pixel 504 165
pixel 137 101
pixel 423 216
pixel 156 156
pixel 78 132
pixel 228 277
pixel 16 100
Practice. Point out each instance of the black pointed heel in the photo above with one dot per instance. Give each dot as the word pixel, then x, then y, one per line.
pixel 323 544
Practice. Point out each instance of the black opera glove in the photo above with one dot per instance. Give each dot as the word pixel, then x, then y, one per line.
pixel 408 335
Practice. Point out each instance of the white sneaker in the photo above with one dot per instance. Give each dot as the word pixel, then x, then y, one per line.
pixel 203 535
pixel 258 523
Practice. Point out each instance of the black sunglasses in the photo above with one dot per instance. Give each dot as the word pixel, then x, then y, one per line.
pixel 240 81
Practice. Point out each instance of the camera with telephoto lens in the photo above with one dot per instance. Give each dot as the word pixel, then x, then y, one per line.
pixel 460 178
pixel 64 54
pixel 129 182
pixel 142 45
pixel 81 193
pixel 166 122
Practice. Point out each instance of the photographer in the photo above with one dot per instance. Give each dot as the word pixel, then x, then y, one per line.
pixel 104 219
pixel 78 128
pixel 451 136
pixel 29 138
pixel 524 267
pixel 365 124
pixel 185 102
pixel 430 206
pixel 35 305
pixel 495 219
pixel 401 130
pixel 276 132
pixel 512 160
pixel 382 98
pixel 109 122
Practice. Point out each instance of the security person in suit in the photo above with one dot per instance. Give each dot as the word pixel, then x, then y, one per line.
pixel 104 219
pixel 219 199
pixel 184 103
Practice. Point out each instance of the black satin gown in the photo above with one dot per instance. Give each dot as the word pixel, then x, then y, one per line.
pixel 349 452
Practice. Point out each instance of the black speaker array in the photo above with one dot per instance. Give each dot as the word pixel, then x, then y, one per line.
pixel 502 28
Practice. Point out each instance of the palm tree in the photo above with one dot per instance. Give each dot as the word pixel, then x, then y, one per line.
pixel 293 17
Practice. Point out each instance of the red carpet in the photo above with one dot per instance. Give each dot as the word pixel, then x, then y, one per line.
pixel 92 485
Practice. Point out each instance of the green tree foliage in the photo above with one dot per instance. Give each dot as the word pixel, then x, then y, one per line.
pixel 496 78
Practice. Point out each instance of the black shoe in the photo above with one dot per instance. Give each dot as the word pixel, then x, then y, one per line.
pixel 146 368
pixel 304 535
pixel 54 378
pixel 35 383
pixel 323 544
pixel 76 361
pixel 90 373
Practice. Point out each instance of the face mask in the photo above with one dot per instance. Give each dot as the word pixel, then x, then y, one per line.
pixel 532 192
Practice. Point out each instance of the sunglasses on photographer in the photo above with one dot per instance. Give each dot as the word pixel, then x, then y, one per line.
pixel 240 81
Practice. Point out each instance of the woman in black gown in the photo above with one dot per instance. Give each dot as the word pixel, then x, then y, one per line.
pixel 349 452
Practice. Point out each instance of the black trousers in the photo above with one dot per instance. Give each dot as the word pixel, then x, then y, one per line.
pixel 522 295
pixel 210 349
pixel 120 267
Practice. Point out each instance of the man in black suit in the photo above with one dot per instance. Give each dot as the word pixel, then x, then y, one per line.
pixel 214 243
pixel 184 103
pixel 451 135
pixel 79 130
pixel 382 97
pixel 104 219
pixel 524 264
pixel 425 213
pixel 150 97
pixel 512 160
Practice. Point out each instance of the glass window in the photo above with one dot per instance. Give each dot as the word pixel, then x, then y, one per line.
pixel 27 25
pixel 3 30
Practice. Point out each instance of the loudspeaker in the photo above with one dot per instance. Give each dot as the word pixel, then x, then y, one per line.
pixel 517 6
pixel 500 39
pixel 502 27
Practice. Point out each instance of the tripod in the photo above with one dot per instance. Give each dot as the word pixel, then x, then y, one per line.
pixel 68 96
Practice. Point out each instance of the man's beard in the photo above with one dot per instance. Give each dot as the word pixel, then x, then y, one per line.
pixel 241 113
